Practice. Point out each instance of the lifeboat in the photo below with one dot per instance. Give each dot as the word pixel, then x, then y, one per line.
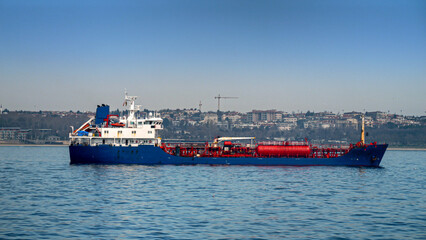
pixel 118 124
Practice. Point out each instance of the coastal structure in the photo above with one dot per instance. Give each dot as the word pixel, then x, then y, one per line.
pixel 13 134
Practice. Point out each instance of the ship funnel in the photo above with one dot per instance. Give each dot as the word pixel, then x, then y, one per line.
pixel 101 114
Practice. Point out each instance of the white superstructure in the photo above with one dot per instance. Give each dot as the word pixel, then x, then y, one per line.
pixel 131 130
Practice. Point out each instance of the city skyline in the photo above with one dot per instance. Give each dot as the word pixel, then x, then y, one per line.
pixel 195 109
pixel 284 55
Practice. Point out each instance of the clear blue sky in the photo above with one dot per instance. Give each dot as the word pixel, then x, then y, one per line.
pixel 285 55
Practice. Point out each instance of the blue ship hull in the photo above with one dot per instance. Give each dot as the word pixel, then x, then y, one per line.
pixel 370 156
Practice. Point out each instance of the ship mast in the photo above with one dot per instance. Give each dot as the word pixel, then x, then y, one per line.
pixel 362 129
pixel 132 108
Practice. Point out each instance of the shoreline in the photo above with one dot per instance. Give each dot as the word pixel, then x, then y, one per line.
pixel 405 149
pixel 33 145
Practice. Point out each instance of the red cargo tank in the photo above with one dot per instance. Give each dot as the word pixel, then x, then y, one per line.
pixel 283 151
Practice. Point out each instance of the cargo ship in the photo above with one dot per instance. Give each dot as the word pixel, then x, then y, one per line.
pixel 111 139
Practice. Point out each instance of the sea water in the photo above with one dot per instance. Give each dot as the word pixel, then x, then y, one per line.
pixel 42 196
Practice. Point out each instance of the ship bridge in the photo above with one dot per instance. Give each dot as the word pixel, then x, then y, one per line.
pixel 111 129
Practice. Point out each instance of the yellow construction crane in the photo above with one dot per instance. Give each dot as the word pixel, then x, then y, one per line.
pixel 218 97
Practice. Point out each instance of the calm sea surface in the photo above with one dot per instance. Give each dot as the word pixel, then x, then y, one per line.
pixel 42 196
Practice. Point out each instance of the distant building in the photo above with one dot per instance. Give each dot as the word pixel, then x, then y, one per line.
pixel 352 122
pixel 3 111
pixel 290 120
pixel 191 111
pixel 285 126
pixel 53 138
pixel 13 134
pixel 376 115
pixel 233 117
pixel 210 118
pixel 264 116
pixel 352 114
